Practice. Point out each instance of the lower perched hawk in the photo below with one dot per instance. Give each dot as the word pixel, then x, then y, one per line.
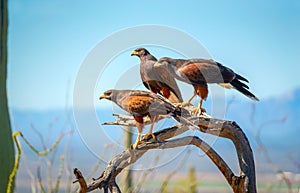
pixel 157 80
pixel 140 104
pixel 198 72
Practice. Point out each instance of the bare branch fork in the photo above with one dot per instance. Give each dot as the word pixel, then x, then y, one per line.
pixel 245 182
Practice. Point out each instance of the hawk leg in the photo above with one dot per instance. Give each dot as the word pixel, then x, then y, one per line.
pixel 199 110
pixel 165 92
pixel 150 133
pixel 139 122
pixel 137 141
pixel 147 135
pixel 186 103
pixel 202 92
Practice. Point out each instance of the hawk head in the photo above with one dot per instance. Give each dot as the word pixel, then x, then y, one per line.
pixel 107 95
pixel 140 52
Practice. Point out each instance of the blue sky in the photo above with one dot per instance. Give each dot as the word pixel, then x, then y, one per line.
pixel 49 40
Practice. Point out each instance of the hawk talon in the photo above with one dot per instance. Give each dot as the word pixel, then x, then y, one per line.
pixel 134 146
pixel 183 104
pixel 198 111
pixel 146 136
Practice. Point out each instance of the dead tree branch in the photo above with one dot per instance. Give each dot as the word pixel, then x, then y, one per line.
pixel 242 183
pixel 81 180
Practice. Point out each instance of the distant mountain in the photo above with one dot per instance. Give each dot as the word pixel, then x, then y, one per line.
pixel 277 118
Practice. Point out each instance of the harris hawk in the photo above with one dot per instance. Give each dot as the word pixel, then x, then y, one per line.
pixel 157 80
pixel 140 104
pixel 198 72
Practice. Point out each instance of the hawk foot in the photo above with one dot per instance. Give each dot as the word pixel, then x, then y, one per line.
pixel 138 142
pixel 198 111
pixel 183 104
pixel 147 136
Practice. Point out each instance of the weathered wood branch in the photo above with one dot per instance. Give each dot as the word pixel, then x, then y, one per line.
pixel 245 182
pixel 80 179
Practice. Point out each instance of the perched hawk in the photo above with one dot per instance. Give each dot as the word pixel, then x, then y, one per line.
pixel 140 104
pixel 198 72
pixel 157 80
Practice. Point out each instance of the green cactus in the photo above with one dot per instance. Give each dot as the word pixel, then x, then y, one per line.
pixel 192 180
pixel 127 173
pixel 6 142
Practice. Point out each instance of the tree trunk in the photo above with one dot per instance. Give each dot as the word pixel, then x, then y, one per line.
pixel 6 143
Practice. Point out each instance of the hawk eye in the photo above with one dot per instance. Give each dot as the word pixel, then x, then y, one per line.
pixel 108 92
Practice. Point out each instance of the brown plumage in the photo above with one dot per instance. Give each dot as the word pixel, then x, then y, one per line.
pixel 198 72
pixel 157 80
pixel 140 104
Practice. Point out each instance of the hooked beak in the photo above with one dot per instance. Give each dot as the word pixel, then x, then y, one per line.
pixel 157 64
pixel 103 96
pixel 134 53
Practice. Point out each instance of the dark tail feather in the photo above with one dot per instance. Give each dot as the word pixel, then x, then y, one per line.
pixel 239 77
pixel 238 86
pixel 241 83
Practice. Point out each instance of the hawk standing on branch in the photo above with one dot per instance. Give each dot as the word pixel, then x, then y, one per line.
pixel 198 72
pixel 157 80
pixel 141 104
